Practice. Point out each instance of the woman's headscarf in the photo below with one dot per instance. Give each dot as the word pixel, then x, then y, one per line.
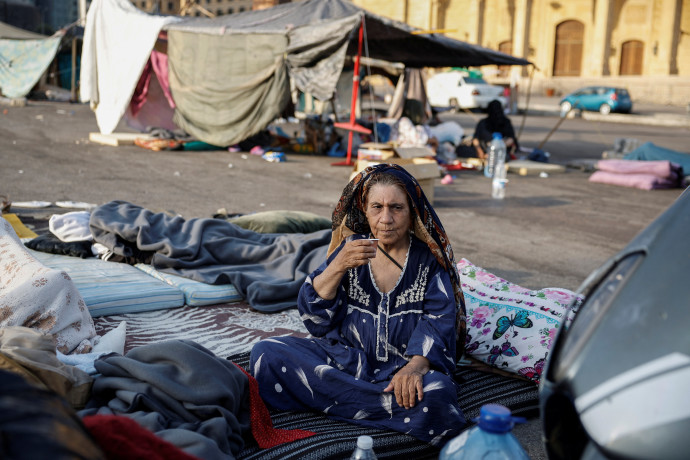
pixel 349 217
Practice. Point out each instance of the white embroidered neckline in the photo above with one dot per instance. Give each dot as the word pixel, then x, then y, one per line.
pixel 402 273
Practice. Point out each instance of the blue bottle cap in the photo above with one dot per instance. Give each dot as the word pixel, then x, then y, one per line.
pixel 496 418
pixel 497 136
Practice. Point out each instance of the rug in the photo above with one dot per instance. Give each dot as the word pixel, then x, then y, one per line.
pixel 224 329
pixel 231 330
pixel 337 440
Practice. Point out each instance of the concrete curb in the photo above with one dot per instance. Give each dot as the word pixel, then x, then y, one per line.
pixel 658 119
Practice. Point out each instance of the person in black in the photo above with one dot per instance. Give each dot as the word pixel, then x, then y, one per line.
pixel 495 122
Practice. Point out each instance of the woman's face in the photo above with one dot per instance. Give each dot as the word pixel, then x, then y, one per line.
pixel 388 213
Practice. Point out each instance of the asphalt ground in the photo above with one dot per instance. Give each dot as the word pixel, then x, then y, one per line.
pixel 547 232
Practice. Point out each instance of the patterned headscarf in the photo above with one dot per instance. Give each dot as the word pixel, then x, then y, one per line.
pixel 349 217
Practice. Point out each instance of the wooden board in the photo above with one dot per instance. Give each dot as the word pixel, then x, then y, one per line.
pixel 528 167
pixel 116 139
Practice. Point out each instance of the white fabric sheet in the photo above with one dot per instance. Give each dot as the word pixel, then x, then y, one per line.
pixel 118 40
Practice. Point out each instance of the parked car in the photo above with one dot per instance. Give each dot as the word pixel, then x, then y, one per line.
pixel 459 90
pixel 605 99
pixel 615 380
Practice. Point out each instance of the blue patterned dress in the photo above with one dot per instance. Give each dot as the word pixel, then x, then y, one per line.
pixel 362 337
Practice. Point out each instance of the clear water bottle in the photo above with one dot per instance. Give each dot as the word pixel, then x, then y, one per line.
pixel 490 439
pixel 497 149
pixel 364 450
pixel 498 183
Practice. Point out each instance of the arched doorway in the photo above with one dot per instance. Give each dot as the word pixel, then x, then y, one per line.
pixel 631 57
pixel 567 59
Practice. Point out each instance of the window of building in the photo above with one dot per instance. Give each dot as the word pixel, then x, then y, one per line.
pixel 170 6
pixel 631 58
pixel 143 4
pixel 567 59
pixel 219 12
pixel 231 10
pixel 241 9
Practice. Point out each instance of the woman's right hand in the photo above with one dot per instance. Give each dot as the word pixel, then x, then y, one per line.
pixel 356 253
pixel 353 254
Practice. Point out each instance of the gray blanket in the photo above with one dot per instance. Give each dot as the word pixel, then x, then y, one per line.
pixel 180 391
pixel 267 269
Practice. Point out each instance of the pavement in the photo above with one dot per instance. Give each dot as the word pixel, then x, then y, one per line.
pixel 643 113
pixel 547 232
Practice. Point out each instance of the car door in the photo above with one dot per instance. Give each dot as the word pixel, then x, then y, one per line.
pixel 588 99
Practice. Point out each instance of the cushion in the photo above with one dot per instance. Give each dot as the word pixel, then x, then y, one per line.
pixel 39 297
pixel 511 327
pixel 113 288
pixel 195 293
pixel 282 222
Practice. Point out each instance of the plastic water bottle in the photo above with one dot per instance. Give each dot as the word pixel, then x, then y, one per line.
pixel 497 149
pixel 491 439
pixel 364 450
pixel 498 183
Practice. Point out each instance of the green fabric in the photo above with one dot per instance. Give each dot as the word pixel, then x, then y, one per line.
pixel 227 87
pixel 22 62
pixel 282 222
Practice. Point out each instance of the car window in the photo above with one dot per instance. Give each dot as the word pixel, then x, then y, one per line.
pixel 475 81
pixel 585 92
pixel 602 91
pixel 622 92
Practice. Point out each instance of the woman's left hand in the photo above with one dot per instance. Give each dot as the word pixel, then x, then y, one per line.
pixel 407 382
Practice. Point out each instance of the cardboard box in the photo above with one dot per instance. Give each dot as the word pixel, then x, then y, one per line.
pixel 415 161
pixel 375 151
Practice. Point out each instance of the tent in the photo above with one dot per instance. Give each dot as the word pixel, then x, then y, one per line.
pixel 230 76
pixel 24 57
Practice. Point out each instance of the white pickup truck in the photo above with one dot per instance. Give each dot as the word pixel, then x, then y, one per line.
pixel 458 90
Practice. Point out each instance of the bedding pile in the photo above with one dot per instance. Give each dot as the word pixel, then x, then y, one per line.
pixel 642 174
pixel 173 370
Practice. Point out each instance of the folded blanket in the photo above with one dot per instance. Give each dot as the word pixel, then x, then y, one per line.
pixel 266 269
pixel 662 169
pixel 645 175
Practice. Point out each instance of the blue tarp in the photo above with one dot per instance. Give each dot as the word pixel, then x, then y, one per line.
pixel 651 152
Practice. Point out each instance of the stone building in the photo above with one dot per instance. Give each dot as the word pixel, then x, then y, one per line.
pixel 643 45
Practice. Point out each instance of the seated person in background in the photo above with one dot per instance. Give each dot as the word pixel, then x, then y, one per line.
pixel 385 318
pixel 495 122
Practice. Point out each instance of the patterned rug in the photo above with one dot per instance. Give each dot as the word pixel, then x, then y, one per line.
pixel 337 440
pixel 223 329
pixel 231 330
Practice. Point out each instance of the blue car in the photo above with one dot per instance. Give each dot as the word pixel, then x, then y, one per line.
pixel 604 99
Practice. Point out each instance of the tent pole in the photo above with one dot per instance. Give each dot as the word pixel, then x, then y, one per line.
pixel 352 126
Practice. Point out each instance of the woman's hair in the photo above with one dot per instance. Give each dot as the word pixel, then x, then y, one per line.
pixel 383 178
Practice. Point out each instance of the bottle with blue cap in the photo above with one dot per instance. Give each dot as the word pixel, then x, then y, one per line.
pixel 490 439
pixel 364 450
pixel 497 152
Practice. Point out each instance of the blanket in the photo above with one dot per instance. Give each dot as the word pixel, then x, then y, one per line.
pixel 652 152
pixel 267 269
pixel 645 175
pixel 180 391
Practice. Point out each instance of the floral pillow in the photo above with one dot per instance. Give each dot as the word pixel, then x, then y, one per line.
pixel 511 327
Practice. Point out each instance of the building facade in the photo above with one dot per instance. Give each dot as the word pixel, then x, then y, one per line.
pixel 643 45
pixel 200 7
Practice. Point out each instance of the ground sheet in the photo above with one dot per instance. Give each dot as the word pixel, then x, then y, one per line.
pixel 230 330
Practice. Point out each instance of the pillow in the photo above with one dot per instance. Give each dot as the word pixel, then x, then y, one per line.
pixel 511 327
pixel 282 222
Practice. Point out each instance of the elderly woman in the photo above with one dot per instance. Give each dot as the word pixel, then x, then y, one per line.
pixel 385 310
